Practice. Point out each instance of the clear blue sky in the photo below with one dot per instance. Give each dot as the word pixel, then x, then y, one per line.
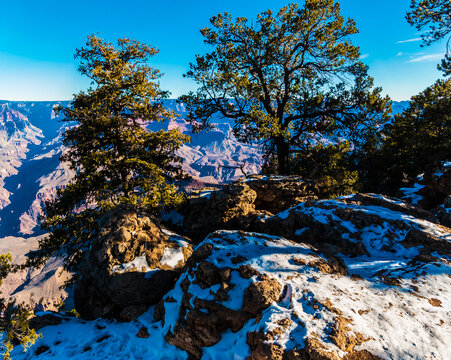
pixel 38 40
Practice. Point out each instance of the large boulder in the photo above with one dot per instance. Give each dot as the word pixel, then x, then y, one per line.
pixel 208 210
pixel 255 296
pixel 278 193
pixel 350 224
pixel 241 204
pixel 131 265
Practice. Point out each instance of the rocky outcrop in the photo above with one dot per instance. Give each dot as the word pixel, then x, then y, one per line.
pixel 349 280
pixel 132 264
pixel 241 204
pixel 278 193
pixel 255 296
pixel 208 210
pixel 350 224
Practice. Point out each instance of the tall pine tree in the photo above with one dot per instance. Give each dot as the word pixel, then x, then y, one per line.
pixel 115 159
pixel 288 81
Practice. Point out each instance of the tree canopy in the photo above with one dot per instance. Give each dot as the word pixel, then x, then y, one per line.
pixel 435 16
pixel 419 137
pixel 289 80
pixel 115 159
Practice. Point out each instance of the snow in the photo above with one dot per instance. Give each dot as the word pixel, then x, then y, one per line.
pixel 103 339
pixel 438 173
pixel 172 257
pixel 412 193
pixel 206 194
pixel 140 263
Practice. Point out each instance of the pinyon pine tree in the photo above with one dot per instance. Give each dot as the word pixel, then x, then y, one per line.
pixel 435 16
pixel 289 81
pixel 419 137
pixel 115 159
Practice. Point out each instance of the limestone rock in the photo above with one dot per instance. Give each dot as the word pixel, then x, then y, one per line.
pixel 256 296
pixel 242 204
pixel 278 193
pixel 132 264
pixel 231 207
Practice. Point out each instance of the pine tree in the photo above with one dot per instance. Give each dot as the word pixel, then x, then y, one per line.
pixel 115 159
pixel 436 16
pixel 288 80
pixel 419 137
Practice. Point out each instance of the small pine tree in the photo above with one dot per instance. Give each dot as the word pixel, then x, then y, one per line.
pixel 115 159
pixel 14 318
pixel 330 166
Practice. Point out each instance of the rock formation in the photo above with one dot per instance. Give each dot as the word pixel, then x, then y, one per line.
pixel 242 204
pixel 359 277
pixel 132 264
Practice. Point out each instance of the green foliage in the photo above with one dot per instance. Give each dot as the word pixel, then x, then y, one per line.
pixel 115 159
pixel 73 313
pixel 6 266
pixel 330 166
pixel 419 137
pixel 14 323
pixel 435 16
pixel 14 329
pixel 287 80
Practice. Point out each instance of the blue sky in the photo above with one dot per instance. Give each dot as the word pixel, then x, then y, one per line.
pixel 38 40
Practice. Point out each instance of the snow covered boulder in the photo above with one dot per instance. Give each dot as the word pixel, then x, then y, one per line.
pixel 358 225
pixel 236 296
pixel 255 296
pixel 132 264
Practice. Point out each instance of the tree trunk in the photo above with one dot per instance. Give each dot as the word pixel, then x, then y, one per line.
pixel 283 151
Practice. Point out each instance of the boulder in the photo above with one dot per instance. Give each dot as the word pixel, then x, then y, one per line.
pixel 255 296
pixel 241 204
pixel 208 210
pixel 130 266
pixel 278 193
pixel 349 224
